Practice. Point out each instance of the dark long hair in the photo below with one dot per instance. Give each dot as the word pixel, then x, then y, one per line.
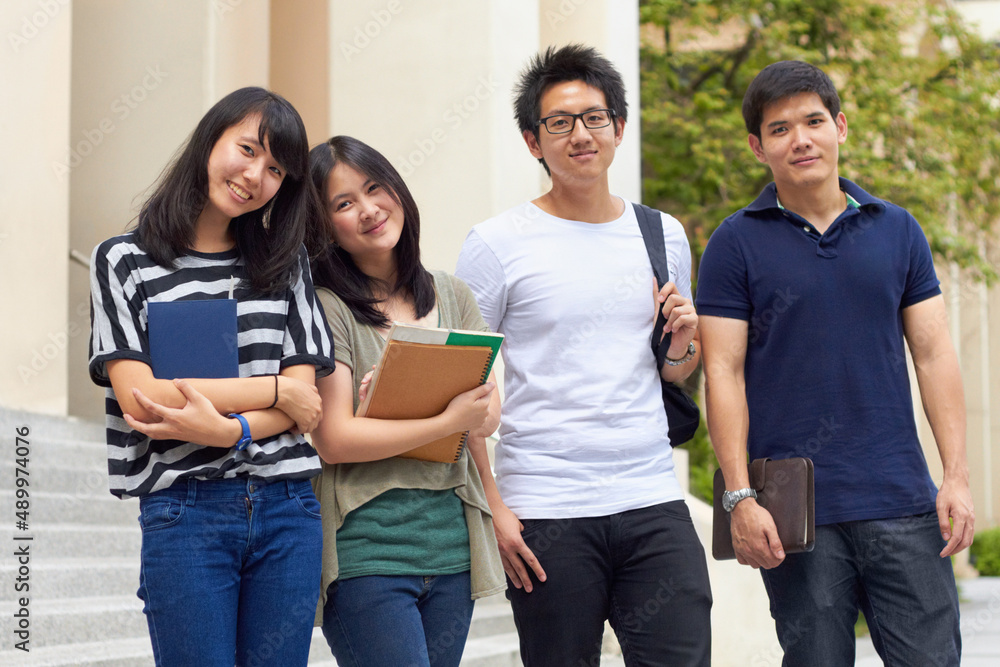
pixel 334 268
pixel 267 239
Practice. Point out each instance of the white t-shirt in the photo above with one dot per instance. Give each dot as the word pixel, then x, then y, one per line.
pixel 583 431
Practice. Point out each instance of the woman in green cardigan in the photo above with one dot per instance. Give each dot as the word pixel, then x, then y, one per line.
pixel 408 544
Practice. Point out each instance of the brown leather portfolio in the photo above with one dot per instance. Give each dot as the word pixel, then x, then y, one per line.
pixel 785 489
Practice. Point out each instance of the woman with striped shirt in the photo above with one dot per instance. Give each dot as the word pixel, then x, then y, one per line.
pixel 231 528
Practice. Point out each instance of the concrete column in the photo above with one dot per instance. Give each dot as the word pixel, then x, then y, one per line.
pixel 34 198
pixel 300 61
pixel 428 84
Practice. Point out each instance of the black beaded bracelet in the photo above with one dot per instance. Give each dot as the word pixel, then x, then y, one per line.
pixel 275 393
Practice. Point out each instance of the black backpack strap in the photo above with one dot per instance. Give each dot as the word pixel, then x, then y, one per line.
pixel 651 226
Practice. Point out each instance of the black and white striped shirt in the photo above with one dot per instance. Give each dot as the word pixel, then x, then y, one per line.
pixel 274 332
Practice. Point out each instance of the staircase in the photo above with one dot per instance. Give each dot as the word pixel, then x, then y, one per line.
pixel 83 560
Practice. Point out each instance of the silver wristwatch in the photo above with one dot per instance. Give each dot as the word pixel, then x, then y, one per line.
pixel 730 498
pixel 683 360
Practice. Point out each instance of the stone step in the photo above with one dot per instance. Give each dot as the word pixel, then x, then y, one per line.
pixel 81 481
pixel 119 653
pixel 65 452
pixel 78 620
pixel 71 508
pixel 74 577
pixel 491 616
pixel 49 427
pixel 53 541
pixel 108 618
pixel 134 652
pixel 493 651
pixel 497 651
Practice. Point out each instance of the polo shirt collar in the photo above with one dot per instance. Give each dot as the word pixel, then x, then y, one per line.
pixel 851 201
pixel 768 198
pixel 826 245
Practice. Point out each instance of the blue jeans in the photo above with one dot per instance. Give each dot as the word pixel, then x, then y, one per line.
pixel 643 570
pixel 402 621
pixel 231 572
pixel 887 568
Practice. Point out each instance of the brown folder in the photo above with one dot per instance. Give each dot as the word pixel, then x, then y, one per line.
pixel 785 489
pixel 418 380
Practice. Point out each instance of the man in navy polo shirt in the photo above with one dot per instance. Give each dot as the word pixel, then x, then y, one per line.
pixel 805 298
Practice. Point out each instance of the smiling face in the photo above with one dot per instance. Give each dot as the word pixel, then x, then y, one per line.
pixel 800 141
pixel 581 154
pixel 242 174
pixel 366 221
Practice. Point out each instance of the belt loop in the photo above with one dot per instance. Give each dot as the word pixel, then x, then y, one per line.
pixel 192 493
pixel 290 488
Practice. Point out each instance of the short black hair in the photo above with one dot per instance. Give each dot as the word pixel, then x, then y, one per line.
pixel 784 79
pixel 574 62
pixel 334 269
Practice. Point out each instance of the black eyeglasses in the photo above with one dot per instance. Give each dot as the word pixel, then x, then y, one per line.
pixel 562 123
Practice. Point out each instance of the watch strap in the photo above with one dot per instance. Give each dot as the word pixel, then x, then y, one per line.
pixel 683 360
pixel 245 439
pixel 732 498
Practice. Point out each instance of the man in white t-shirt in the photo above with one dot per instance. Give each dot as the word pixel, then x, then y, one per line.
pixel 590 519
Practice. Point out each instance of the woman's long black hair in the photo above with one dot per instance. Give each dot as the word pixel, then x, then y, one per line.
pixel 334 268
pixel 267 239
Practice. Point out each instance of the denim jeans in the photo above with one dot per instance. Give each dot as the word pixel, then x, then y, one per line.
pixel 402 621
pixel 230 572
pixel 887 568
pixel 644 570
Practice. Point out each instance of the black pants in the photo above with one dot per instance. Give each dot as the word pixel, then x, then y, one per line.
pixel 644 570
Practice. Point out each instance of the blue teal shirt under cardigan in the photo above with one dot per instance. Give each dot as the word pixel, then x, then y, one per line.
pixel 826 373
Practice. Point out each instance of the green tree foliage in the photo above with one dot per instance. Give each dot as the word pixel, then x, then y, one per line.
pixel 985 551
pixel 921 93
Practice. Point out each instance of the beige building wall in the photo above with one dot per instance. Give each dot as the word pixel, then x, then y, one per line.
pixel 35 59
pixel 984 15
pixel 429 85
pixel 300 61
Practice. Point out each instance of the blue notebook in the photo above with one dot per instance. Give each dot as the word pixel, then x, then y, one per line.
pixel 193 339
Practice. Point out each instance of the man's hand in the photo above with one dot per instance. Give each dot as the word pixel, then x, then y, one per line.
pixel 514 553
pixel 682 319
pixel 956 516
pixel 755 538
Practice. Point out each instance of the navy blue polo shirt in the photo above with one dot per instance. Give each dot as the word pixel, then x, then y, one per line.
pixel 826 373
